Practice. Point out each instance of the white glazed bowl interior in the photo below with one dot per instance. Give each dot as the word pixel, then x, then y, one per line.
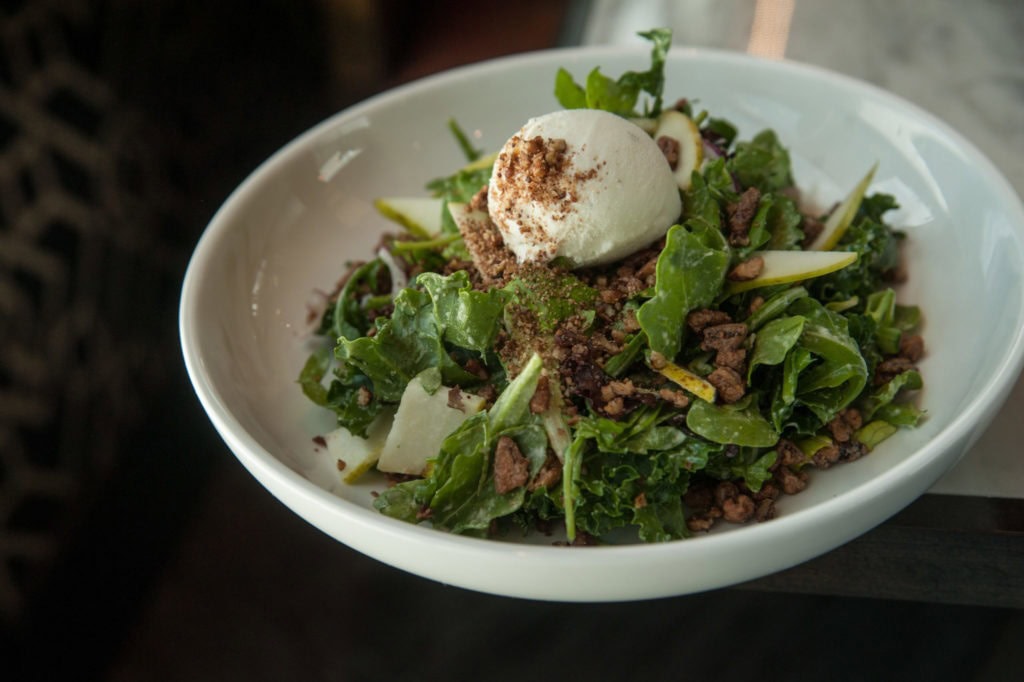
pixel 286 233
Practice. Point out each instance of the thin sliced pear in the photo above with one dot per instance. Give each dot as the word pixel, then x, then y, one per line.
pixel 648 125
pixel 485 161
pixel 841 218
pixel 682 129
pixel 358 455
pixel 693 383
pixel 421 424
pixel 421 216
pixel 783 267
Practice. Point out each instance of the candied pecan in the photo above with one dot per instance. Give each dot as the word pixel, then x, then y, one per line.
pixel 614 407
pixel 700 523
pixel 677 399
pixel 511 469
pixel 765 509
pixel 475 367
pixel 740 214
pixel 812 228
pixel 733 358
pixel 769 491
pixel 698 320
pixel 550 473
pixel 669 146
pixel 640 501
pixel 747 270
pixel 728 383
pixel 791 482
pixel 455 399
pixel 789 453
pixel 891 367
pixel 840 429
pixel 826 456
pixel 725 490
pixel 852 450
pixel 740 509
pixel 911 347
pixel 724 336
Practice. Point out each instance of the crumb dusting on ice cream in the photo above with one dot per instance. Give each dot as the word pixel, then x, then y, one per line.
pixel 583 184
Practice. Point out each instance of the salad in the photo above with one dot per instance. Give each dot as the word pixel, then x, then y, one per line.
pixel 623 321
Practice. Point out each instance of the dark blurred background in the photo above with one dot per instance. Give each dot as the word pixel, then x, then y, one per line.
pixel 132 545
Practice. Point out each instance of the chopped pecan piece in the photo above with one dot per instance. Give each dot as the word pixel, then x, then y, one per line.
pixel 747 270
pixel 740 214
pixel 511 469
pixel 724 336
pixel 669 146
pixel 699 320
pixel 728 383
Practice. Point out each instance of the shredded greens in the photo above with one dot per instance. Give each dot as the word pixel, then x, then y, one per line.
pixel 612 404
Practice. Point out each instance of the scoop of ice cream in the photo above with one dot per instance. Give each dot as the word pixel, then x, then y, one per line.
pixel 584 184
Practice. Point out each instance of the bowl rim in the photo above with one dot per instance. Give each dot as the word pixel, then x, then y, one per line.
pixel 265 466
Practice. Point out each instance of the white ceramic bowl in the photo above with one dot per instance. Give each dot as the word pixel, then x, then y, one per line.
pixel 284 233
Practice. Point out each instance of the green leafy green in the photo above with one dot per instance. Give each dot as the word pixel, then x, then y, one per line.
pixel 405 344
pixel 460 491
pixel 345 396
pixel 471 152
pixel 773 343
pixel 750 465
pixel 689 274
pixel 348 316
pixel 762 162
pixel 470 318
pixel 619 96
pixel 740 424
pixel 877 248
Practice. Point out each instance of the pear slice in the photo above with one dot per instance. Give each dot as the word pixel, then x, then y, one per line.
pixel 357 455
pixel 421 216
pixel 681 128
pixel 648 125
pixel 421 424
pixel 783 267
pixel 693 383
pixel 841 218
pixel 485 161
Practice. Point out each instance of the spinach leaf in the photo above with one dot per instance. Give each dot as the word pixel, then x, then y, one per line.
pixel 343 396
pixel 841 373
pixel 762 162
pixel 773 343
pixel 348 318
pixel 751 465
pixel 460 490
pixel 740 424
pixel 407 343
pixel 689 275
pixel 784 223
pixel 619 96
pixel 885 394
pixel 470 318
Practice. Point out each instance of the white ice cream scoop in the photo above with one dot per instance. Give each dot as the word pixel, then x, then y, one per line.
pixel 584 184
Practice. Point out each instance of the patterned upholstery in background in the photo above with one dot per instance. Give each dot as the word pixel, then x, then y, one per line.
pixel 90 248
pixel 123 125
